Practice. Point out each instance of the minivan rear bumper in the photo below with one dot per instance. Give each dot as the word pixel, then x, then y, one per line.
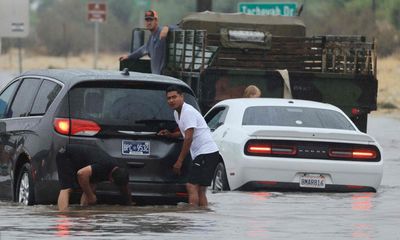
pixel 144 193
pixel 46 192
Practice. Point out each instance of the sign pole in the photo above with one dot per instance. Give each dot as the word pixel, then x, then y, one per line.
pixel 19 55
pixel 14 22
pixel 96 44
pixel 97 13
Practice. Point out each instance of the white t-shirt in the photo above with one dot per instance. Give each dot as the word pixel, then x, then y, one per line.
pixel 202 141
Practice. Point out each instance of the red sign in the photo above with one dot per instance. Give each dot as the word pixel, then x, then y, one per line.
pixel 97 12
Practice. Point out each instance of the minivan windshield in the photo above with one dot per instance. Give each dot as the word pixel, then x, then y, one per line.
pixel 141 106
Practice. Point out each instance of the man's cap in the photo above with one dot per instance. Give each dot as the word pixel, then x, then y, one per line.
pixel 150 14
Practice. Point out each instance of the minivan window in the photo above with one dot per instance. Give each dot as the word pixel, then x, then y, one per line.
pixel 5 98
pixel 143 107
pixel 24 97
pixel 47 92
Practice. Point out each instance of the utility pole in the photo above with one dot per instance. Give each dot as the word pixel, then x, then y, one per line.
pixel 203 5
pixel 373 9
pixel 373 6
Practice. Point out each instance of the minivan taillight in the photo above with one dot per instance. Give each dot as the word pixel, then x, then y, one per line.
pixel 61 125
pixel 76 127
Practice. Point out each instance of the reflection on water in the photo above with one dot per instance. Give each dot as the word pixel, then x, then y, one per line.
pixel 239 215
pixel 362 231
pixel 362 201
pixel 63 226
pixel 261 196
pixel 257 230
pixel 109 220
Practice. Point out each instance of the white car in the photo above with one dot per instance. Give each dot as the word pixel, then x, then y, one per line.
pixel 288 144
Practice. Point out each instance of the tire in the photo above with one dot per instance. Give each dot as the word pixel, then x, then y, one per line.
pixel 25 188
pixel 361 122
pixel 220 181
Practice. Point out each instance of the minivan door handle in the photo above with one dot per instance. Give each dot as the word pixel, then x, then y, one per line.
pixel 135 164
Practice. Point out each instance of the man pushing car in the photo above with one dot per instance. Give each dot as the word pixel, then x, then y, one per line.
pixel 88 166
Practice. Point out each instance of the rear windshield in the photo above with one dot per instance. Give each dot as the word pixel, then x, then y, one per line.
pixel 295 117
pixel 124 106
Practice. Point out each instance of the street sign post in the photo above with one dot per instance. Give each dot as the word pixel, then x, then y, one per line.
pixel 14 18
pixel 97 13
pixel 14 22
pixel 268 8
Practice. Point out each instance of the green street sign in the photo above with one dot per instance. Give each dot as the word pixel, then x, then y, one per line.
pixel 264 8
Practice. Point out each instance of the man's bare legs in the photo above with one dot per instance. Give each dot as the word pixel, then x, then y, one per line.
pixel 63 199
pixel 197 195
pixel 84 201
pixel 193 191
pixel 88 196
pixel 203 202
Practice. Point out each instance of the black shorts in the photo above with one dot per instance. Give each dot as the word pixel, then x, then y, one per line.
pixel 101 172
pixel 66 172
pixel 203 167
pixel 68 168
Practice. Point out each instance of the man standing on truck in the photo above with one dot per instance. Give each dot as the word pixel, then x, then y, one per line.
pixel 197 140
pixel 155 46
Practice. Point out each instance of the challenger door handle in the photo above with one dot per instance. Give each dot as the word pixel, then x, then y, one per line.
pixel 135 164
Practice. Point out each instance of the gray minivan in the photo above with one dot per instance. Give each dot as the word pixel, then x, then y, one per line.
pixel 119 113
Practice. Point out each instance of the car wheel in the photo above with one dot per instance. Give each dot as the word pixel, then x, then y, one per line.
pixel 25 194
pixel 220 181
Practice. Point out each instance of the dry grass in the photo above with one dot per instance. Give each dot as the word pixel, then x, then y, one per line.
pixel 388 71
pixel 389 83
pixel 9 61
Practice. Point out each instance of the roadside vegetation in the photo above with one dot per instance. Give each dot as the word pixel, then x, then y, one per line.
pixel 61 28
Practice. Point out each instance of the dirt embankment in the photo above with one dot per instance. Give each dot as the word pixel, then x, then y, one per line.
pixel 388 71
pixel 9 61
pixel 389 84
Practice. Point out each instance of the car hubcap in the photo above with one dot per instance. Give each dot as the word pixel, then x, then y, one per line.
pixel 218 185
pixel 24 189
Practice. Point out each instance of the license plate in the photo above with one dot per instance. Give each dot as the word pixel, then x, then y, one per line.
pixel 312 181
pixel 135 147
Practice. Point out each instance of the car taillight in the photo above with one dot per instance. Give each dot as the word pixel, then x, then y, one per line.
pixel 366 154
pixel 61 125
pixel 355 111
pixel 256 148
pixel 76 127
pixel 259 149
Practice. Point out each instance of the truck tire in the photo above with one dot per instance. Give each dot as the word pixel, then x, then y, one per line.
pixel 361 122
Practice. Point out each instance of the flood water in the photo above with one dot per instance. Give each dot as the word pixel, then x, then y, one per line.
pixel 232 215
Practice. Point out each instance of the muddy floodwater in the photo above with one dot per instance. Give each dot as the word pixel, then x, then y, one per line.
pixel 232 215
